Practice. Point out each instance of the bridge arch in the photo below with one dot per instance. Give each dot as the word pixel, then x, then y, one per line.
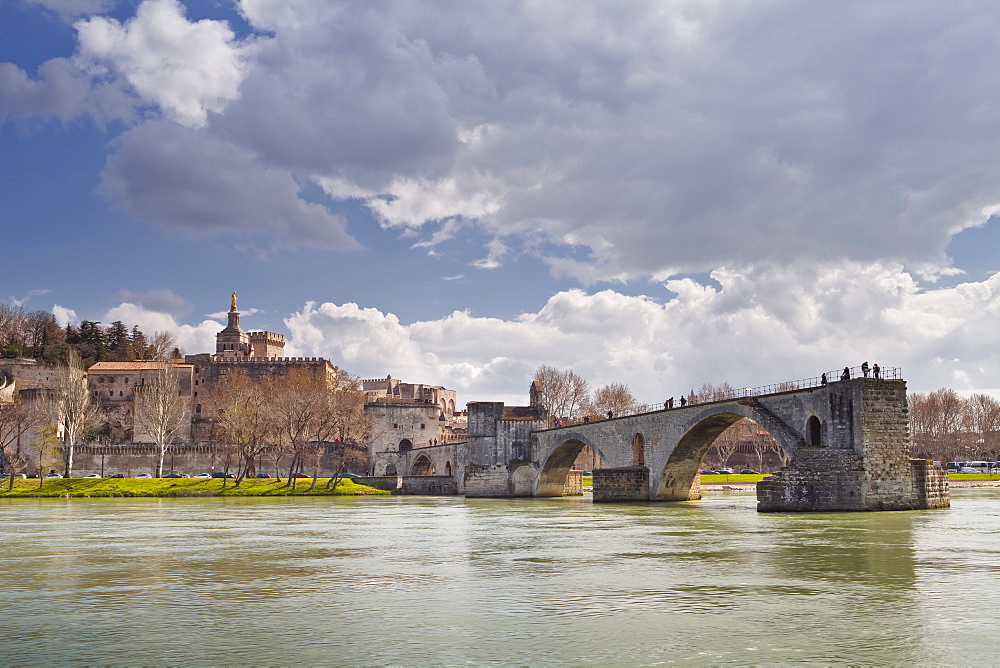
pixel 422 466
pixel 555 470
pixel 678 475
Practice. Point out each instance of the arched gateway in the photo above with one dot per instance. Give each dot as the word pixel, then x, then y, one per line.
pixel 848 444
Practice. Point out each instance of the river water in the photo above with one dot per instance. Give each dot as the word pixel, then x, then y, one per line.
pixel 446 581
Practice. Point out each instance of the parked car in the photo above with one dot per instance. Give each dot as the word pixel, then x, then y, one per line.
pixel 749 472
pixel 964 469
pixel 53 475
pixel 709 472
pixel 142 475
pixel 92 475
pixel 117 475
pixel 223 474
pixel 177 475
pixel 263 475
pixel 724 470
pixel 301 475
pixel 204 475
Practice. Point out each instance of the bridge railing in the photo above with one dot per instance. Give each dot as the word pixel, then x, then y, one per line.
pixel 830 377
pixel 885 373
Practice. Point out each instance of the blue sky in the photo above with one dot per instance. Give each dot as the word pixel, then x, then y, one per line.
pixel 656 193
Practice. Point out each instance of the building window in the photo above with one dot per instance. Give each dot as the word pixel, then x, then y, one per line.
pixel 197 408
pixel 120 393
pixel 111 393
pixel 423 426
pixel 196 394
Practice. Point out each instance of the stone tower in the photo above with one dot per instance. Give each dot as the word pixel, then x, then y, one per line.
pixel 232 342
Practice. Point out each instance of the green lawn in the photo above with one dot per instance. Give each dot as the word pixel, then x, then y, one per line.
pixel 176 487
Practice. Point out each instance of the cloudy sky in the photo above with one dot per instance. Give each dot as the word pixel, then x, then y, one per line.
pixel 656 193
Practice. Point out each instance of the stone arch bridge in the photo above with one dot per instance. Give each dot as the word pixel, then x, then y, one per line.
pixel 848 443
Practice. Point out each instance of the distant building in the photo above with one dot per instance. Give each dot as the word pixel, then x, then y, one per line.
pixel 413 426
pixel 113 385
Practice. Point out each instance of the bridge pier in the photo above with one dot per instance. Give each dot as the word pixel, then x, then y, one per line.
pixel 876 473
pixel 630 483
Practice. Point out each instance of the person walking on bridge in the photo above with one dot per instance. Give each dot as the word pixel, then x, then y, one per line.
pixel 846 375
pixel 875 370
pixel 864 369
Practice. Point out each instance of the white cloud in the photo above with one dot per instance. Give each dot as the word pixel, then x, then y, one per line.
pixel 198 338
pixel 654 139
pixel 64 316
pixel 186 68
pixel 613 143
pixel 756 327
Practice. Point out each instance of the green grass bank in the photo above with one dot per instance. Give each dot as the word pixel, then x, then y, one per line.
pixel 177 487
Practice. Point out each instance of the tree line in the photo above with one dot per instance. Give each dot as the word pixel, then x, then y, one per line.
pixel 946 427
pixel 297 418
pixel 37 335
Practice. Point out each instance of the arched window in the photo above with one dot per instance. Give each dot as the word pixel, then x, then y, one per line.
pixel 814 431
pixel 447 468
pixel 405 445
pixel 638 451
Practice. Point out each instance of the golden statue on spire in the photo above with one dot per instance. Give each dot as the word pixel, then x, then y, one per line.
pixel 232 303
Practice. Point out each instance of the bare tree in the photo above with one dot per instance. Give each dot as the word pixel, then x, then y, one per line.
pixel 160 410
pixel 936 423
pixel 298 404
pixel 349 427
pixel 615 398
pixel 161 345
pixel 562 392
pixel 77 409
pixel 982 421
pixel 44 445
pixel 16 420
pixel 243 419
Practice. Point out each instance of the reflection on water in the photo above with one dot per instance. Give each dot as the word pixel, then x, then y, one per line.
pixel 406 580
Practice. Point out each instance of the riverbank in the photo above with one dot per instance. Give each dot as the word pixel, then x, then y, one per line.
pixel 178 487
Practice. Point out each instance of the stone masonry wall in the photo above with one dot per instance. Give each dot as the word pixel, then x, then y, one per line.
pixel 821 479
pixel 621 484
pixel 486 481
pixel 889 483
pixel 930 485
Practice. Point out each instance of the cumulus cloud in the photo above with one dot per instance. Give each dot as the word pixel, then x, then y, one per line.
pixel 183 179
pixel 748 327
pixel 64 316
pixel 190 338
pixel 657 138
pixel 613 143
pixel 163 300
pixel 186 68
